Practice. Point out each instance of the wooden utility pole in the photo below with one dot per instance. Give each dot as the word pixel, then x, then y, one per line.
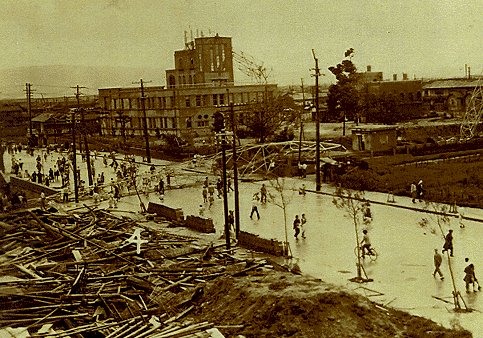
pixel 317 124
pixel 225 192
pixel 28 91
pixel 301 123
pixel 145 120
pixel 74 160
pixel 235 172
pixel 84 131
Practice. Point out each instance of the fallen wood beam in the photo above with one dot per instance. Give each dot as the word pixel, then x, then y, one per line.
pixel 441 299
pixel 46 227
pixel 175 318
pixel 28 271
pixel 103 295
pixel 184 280
pixel 85 314
pixel 60 306
pixel 99 246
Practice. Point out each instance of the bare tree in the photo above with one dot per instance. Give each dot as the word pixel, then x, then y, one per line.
pixel 438 216
pixel 280 185
pixel 356 208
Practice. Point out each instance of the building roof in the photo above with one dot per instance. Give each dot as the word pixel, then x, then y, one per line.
pixel 451 83
pixel 11 108
pixel 372 129
pixel 43 117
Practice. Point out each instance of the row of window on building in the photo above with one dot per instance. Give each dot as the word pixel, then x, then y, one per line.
pixel 186 101
pixel 136 123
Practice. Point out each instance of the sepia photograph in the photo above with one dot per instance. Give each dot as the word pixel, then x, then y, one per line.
pixel 241 169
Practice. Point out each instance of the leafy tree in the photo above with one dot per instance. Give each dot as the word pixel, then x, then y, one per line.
pixel 266 117
pixel 344 97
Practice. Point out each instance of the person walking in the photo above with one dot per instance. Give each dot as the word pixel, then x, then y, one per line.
pixel 219 188
pixel 263 194
pixel 438 259
pixel 303 221
pixel 231 220
pixel 211 190
pixel 255 200
pixel 414 192
pixel 65 196
pixel 448 242
pixel 42 201
pixel 296 226
pixel 470 277
pixel 211 200
pixel 205 194
pixel 419 190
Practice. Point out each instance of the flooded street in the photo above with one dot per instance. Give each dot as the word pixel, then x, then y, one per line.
pixel 403 271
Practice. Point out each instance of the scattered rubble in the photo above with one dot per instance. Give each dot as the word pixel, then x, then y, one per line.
pixel 92 273
pixel 72 274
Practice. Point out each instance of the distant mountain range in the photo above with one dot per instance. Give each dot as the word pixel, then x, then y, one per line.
pixel 56 81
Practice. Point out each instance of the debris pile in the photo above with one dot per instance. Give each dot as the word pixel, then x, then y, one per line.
pixel 96 274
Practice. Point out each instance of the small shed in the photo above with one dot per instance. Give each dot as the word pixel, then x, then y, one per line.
pixel 374 138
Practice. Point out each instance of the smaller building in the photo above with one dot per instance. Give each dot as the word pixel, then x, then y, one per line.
pixel 374 138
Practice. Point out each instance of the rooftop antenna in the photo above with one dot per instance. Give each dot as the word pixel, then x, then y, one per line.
pixel 202 34
pixel 191 33
pixel 185 38
pixel 197 35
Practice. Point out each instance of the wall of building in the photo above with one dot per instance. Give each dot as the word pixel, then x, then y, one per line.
pixel 207 61
pixel 374 140
pixel 407 93
pixel 174 111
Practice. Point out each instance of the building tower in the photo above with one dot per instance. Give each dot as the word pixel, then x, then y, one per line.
pixel 206 61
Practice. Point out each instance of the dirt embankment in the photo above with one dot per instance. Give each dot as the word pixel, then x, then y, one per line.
pixel 286 305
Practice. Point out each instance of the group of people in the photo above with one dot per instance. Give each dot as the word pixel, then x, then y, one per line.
pixel 469 278
pixel 299 226
pixel 417 191
pixel 302 170
pixel 208 193
pixel 258 197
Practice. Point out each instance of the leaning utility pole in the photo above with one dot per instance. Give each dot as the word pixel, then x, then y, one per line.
pixel 145 126
pixel 84 131
pixel 317 124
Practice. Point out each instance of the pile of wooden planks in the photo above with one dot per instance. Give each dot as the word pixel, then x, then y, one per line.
pixel 82 274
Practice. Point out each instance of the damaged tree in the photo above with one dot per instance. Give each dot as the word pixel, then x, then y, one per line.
pixel 440 218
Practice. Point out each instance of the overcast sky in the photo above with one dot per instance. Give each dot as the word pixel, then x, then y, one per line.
pixel 421 38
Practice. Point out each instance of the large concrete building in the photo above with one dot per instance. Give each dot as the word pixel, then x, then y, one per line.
pixel 200 85
pixel 449 95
